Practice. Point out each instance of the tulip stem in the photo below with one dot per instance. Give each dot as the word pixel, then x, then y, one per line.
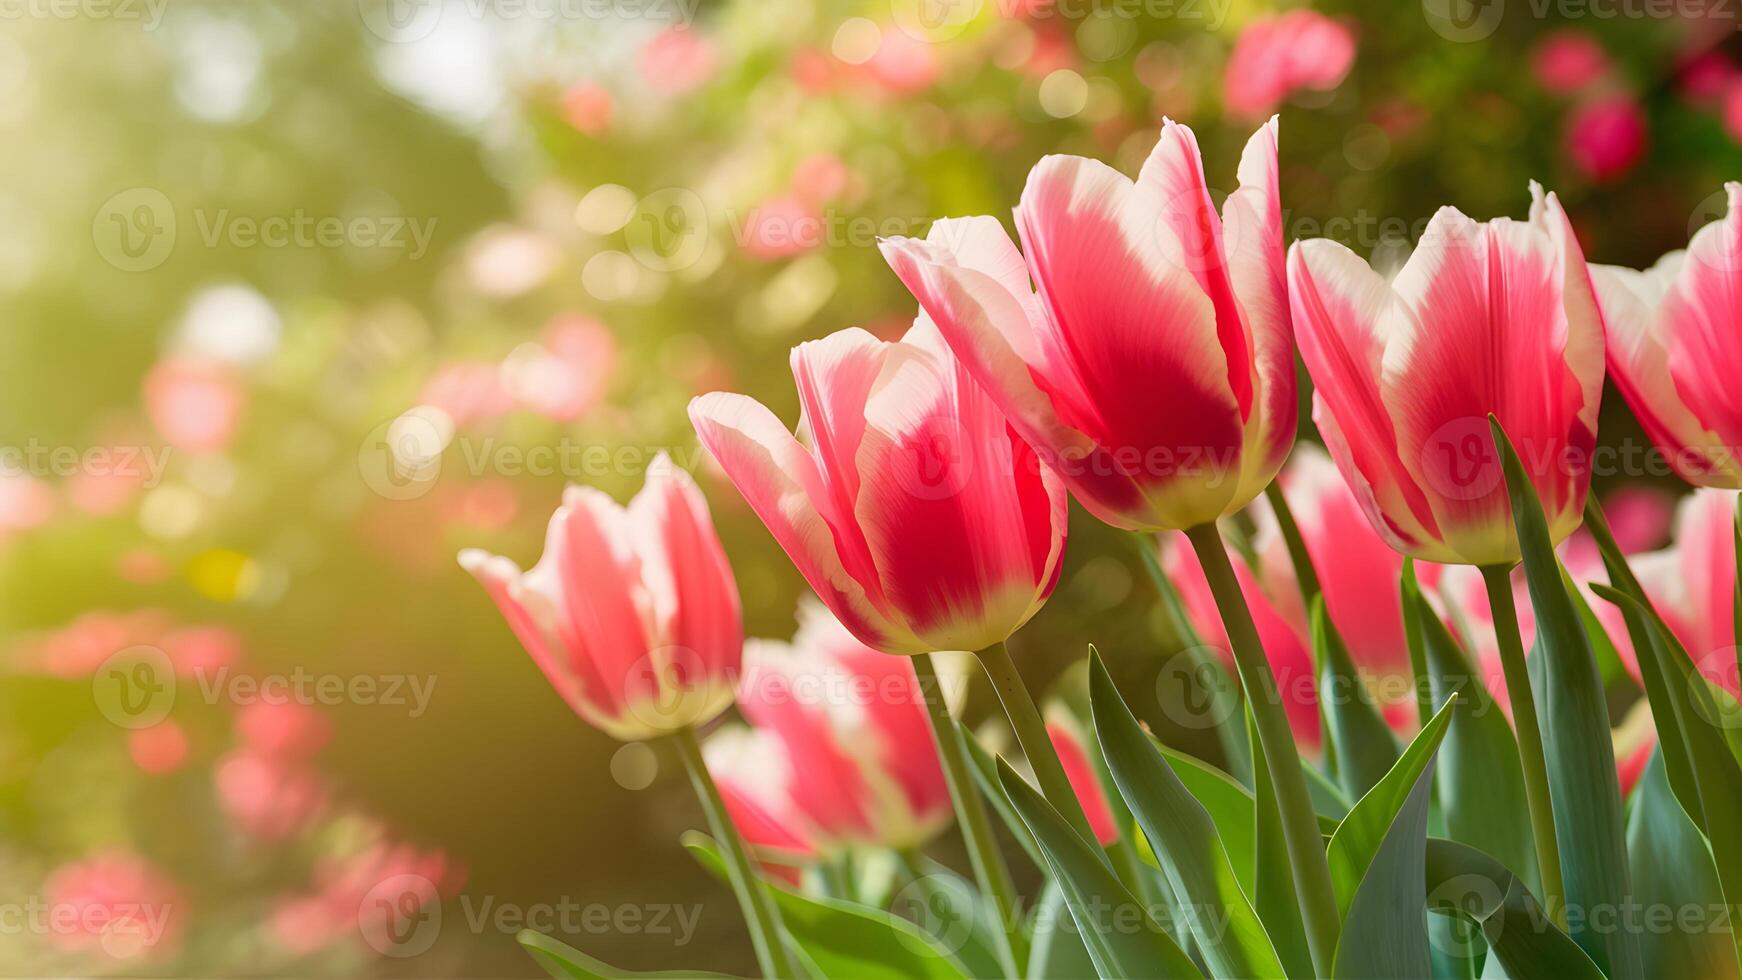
pixel 1306 849
pixel 1036 743
pixel 990 871
pixel 1498 579
pixel 753 897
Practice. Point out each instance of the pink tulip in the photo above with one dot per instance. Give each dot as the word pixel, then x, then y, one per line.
pixel 1278 56
pixel 1693 584
pixel 1285 643
pixel 1153 368
pixel 116 905
pixel 1069 741
pixel 1358 572
pixel 1605 138
pixel 588 107
pixel 632 613
pixel 751 768
pixel 1485 318
pixel 158 749
pixel 1567 61
pixel 855 731
pixel 916 512
pixel 1675 353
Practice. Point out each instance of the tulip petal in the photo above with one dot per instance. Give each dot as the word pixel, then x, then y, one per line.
pixel 1135 329
pixel 1343 313
pixel 695 599
pixel 962 276
pixel 1253 240
pixel 589 560
pixel 779 480
pixel 1702 309
pixel 532 620
pixel 834 377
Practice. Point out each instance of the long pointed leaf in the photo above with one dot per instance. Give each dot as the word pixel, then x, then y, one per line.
pixel 1273 895
pixel 1464 881
pixel 1673 869
pixel 1574 715
pixel 1480 781
pixel 1184 837
pixel 1123 939
pixel 1382 846
pixel 565 962
pixel 1058 952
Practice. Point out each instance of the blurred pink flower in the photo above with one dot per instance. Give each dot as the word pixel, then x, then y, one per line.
pixel 588 107
pixel 80 647
pixel 1606 137
pixel 754 773
pixel 469 392
pixel 196 405
pixel 268 799
pixel 566 373
pixel 903 64
pixel 201 649
pixel 631 613
pixel 116 904
pixel 854 728
pixel 780 227
pixel 1567 61
pixel 101 493
pixel 1693 583
pixel 368 894
pixel 1275 57
pixel 1708 77
pixel 158 749
pixel 678 60
pixel 26 502
pixel 286 730
pixel 820 178
pixel 490 504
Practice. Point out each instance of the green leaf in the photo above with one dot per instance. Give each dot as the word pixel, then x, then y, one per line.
pixel 1123 939
pixel 1574 716
pixel 846 940
pixel 568 963
pixel 1463 881
pixel 985 770
pixel 1689 722
pixel 1273 895
pixel 1362 741
pixel 1410 589
pixel 953 912
pixel 1058 952
pixel 1378 867
pixel 1480 781
pixel 1183 835
pixel 1672 869
pixel 1362 833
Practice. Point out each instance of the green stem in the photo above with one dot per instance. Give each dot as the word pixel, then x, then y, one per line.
pixel 1620 575
pixel 1306 851
pixel 990 870
pixel 1498 579
pixel 1305 575
pixel 753 898
pixel 1036 743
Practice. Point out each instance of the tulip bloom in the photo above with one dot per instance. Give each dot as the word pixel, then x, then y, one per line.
pixel 853 726
pixel 631 613
pixel 1152 365
pixel 916 512
pixel 1674 351
pixel 1485 318
pixel 1693 584
pixel 754 774
pixel 1278 56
